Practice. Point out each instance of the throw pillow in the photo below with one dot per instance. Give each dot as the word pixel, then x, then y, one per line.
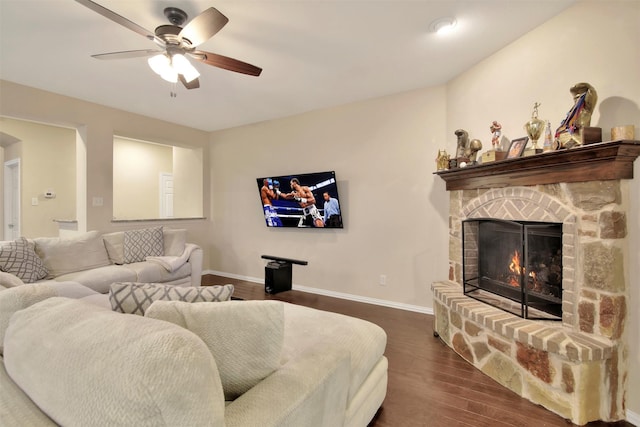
pixel 244 337
pixel 135 298
pixel 114 242
pixel 63 255
pixel 139 244
pixel 19 258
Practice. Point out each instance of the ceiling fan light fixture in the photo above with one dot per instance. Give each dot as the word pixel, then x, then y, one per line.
pixel 182 66
pixel 159 63
pixel 170 75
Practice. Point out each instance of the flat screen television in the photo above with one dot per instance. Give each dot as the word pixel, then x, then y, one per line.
pixel 306 200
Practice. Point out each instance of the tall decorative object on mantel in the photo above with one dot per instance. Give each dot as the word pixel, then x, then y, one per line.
pixel 496 152
pixel 548 139
pixel 575 129
pixel 466 150
pixel 534 128
pixel 496 133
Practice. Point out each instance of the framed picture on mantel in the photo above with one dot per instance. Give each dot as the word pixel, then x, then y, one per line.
pixel 517 147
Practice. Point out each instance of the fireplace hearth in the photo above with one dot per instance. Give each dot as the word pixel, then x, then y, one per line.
pixel 514 265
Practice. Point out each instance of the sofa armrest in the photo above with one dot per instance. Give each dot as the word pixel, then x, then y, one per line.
pixel 195 259
pixel 309 390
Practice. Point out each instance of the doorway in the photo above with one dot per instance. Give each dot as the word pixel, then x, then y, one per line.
pixel 166 195
pixel 11 227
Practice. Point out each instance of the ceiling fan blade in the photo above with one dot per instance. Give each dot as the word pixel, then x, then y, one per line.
pixel 204 26
pixel 193 84
pixel 226 63
pixel 127 54
pixel 116 18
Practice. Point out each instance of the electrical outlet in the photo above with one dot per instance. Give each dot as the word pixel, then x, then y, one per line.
pixel 383 279
pixel 34 201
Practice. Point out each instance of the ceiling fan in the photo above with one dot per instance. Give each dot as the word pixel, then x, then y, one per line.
pixel 177 43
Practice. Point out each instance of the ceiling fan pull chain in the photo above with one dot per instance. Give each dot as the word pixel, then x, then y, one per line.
pixel 174 90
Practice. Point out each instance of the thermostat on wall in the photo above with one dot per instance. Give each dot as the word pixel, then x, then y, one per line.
pixel 49 194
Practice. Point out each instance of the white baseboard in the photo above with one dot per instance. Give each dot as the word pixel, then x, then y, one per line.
pixel 324 292
pixel 633 418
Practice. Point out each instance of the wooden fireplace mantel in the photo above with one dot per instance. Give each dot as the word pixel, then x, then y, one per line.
pixel 593 162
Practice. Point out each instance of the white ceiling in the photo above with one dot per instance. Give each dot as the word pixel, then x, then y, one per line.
pixel 314 53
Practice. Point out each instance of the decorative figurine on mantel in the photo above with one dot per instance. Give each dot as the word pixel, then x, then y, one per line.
pixel 575 129
pixel 496 133
pixel 534 128
pixel 442 161
pixel 475 145
pixel 461 146
pixel 496 152
pixel 466 151
pixel 548 139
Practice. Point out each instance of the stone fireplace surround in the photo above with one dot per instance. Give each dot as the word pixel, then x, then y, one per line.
pixel 576 368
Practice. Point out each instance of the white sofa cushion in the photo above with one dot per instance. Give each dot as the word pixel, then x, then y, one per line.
pixel 139 244
pixel 99 279
pixel 14 299
pixel 152 272
pixel 365 341
pixel 16 409
pixel 83 365
pixel 245 337
pixel 62 255
pixel 8 280
pixel 19 258
pixel 135 298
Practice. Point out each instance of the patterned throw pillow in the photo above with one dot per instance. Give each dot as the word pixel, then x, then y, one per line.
pixel 139 244
pixel 20 259
pixel 135 298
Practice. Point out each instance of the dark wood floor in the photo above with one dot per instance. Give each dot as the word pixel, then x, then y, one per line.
pixel 429 384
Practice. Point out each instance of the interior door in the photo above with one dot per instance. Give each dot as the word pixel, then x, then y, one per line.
pixel 166 195
pixel 11 227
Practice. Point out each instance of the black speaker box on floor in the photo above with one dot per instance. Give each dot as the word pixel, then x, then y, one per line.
pixel 277 277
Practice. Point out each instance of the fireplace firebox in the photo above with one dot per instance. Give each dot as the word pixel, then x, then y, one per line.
pixel 514 265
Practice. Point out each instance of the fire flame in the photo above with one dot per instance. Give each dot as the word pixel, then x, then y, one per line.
pixel 516 269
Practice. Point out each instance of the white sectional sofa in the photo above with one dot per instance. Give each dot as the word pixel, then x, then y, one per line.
pixel 96 260
pixel 75 362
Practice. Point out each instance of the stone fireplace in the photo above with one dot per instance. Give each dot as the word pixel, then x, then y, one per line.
pixel 575 367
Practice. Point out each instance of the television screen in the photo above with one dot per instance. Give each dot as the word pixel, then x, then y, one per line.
pixel 308 200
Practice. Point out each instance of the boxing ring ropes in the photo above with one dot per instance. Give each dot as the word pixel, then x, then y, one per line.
pixel 299 215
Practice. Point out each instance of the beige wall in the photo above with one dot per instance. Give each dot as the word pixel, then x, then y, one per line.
pixel 595 42
pixel 394 210
pixel 47 162
pixel 96 127
pixel 139 163
pixel 188 182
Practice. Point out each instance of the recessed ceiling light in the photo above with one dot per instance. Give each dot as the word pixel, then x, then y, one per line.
pixel 443 25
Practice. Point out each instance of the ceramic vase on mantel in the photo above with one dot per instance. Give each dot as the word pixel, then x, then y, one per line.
pixel 535 128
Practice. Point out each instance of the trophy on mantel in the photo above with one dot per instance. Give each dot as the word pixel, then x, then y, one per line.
pixel 535 128
pixel 576 128
pixel 496 152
